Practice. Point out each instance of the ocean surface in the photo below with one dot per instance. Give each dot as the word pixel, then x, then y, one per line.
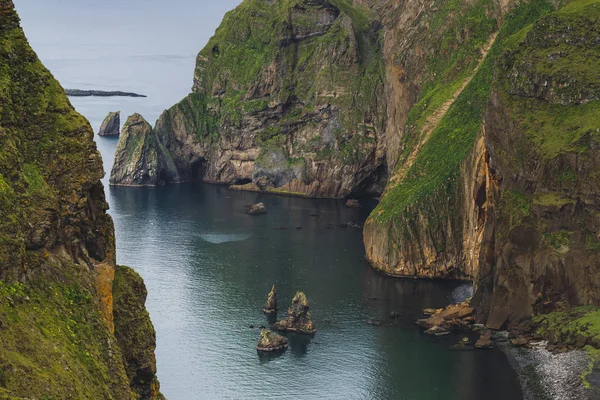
pixel 208 266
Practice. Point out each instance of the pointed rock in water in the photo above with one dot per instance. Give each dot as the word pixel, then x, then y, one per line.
pixel 271 306
pixel 298 319
pixel 111 126
pixel 271 341
pixel 137 159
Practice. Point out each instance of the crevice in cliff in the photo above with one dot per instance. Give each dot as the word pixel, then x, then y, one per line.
pixel 197 170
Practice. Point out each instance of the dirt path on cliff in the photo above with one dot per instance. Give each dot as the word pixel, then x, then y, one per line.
pixel 432 121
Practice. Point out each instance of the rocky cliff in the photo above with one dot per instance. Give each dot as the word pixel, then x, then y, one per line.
pixel 287 97
pixel 58 310
pixel 495 183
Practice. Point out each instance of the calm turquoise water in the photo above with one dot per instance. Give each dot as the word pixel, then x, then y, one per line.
pixel 209 267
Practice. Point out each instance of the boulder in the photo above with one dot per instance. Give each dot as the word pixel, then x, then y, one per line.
pixel 298 319
pixel 111 126
pixel 257 209
pixel 271 341
pixel 271 306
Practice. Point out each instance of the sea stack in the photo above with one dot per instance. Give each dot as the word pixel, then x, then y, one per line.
pixel 271 341
pixel 137 159
pixel 298 319
pixel 111 126
pixel 271 306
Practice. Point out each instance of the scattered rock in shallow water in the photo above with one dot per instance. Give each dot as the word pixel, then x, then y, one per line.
pixel 454 318
pixel 353 203
pixel 298 319
pixel 257 209
pixel 485 340
pixel 463 344
pixel 271 306
pixel 271 341
pixel 374 322
pixel 111 126
pixel 394 315
pixel 520 341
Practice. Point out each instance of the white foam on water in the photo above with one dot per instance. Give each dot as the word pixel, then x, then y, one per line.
pixel 218 238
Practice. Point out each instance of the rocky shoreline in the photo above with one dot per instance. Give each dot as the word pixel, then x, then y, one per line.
pixel 547 376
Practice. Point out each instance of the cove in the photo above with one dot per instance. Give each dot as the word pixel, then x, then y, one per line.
pixel 208 267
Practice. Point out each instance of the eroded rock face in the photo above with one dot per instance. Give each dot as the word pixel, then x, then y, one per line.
pixel 271 306
pixel 111 126
pixel 298 318
pixel 271 342
pixel 139 156
pixel 287 98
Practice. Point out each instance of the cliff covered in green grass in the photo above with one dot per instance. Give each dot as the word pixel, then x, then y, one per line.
pixel 58 310
pixel 499 184
pixel 287 97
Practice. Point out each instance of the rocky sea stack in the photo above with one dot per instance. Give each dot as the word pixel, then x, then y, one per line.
pixel 271 306
pixel 271 342
pixel 137 156
pixel 111 126
pixel 298 318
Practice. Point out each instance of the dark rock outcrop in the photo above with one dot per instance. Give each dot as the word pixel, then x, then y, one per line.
pixel 298 318
pixel 271 306
pixel 100 93
pixel 111 126
pixel 271 342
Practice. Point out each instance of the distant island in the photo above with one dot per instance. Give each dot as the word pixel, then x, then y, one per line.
pixel 100 93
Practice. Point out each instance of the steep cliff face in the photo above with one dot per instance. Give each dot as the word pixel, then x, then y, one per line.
pixel 57 252
pixel 541 131
pixel 287 97
pixel 438 72
pixel 499 182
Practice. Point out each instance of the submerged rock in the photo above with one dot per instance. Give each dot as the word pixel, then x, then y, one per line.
pixel 111 126
pixel 257 209
pixel 353 203
pixel 271 341
pixel 271 306
pixel 298 319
